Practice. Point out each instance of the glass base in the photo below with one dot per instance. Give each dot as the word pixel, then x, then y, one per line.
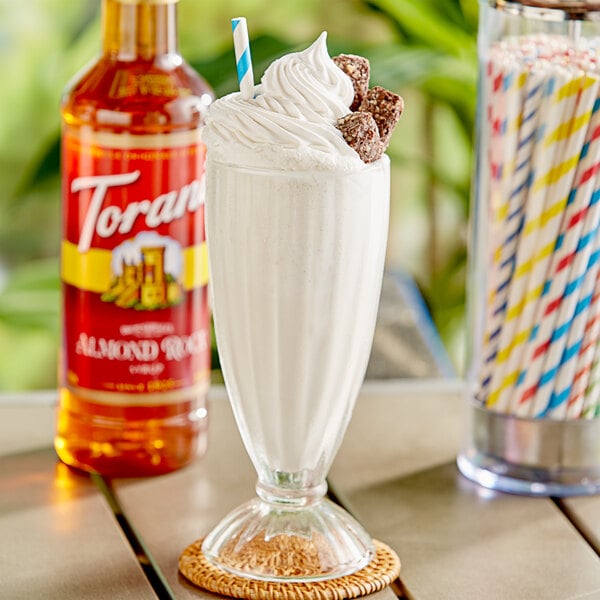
pixel 536 457
pixel 496 474
pixel 265 541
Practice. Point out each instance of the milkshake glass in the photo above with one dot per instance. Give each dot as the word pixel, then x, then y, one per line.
pixel 296 260
pixel 297 202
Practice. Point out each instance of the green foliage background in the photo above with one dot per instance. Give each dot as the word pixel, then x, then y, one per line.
pixel 423 49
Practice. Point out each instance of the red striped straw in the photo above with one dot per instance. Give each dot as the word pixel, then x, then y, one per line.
pixel 509 217
pixel 558 325
pixel 591 398
pixel 585 361
pixel 569 261
pixel 536 241
pixel 542 327
pixel 558 405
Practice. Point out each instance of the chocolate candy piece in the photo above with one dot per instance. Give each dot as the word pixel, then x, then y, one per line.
pixel 360 132
pixel 358 69
pixel 386 108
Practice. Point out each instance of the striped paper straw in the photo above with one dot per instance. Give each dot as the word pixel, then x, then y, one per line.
pixel 541 348
pixel 490 141
pixel 563 373
pixel 588 183
pixel 559 301
pixel 495 86
pixel 591 400
pixel 507 102
pixel 536 244
pixel 510 221
pixel 243 60
pixel 583 381
pixel 586 405
pixel 502 116
pixel 567 139
pixel 556 288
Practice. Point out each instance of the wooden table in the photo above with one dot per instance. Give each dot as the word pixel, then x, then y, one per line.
pixel 58 535
pixel 67 536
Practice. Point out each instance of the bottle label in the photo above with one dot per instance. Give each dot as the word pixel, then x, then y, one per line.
pixel 134 266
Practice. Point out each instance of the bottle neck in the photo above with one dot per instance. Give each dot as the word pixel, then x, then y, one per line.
pixel 134 29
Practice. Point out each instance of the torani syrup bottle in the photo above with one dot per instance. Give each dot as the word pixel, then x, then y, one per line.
pixel 135 335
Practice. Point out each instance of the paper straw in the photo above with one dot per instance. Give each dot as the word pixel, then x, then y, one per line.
pixel 588 183
pixel 510 217
pixel 588 378
pixel 536 244
pixel 243 60
pixel 506 212
pixel 576 382
pixel 500 80
pixel 542 332
pixel 568 139
pixel 490 144
pixel 591 400
pixel 558 286
pixel 557 406
pixel 560 300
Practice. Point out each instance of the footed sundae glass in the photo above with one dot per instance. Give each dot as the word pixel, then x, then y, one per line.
pixel 296 261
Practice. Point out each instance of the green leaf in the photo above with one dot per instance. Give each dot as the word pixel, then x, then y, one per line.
pixel 425 22
pixel 33 309
pixel 44 167
pixel 458 12
pixel 34 276
pixel 395 66
pixel 29 358
pixel 470 9
pixel 31 296
pixel 446 79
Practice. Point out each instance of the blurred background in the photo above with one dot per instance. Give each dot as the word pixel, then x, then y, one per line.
pixel 424 50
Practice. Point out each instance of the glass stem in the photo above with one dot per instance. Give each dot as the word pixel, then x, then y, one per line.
pixel 285 495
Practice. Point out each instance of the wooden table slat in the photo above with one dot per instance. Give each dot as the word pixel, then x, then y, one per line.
pixel 585 511
pixel 455 539
pixel 59 540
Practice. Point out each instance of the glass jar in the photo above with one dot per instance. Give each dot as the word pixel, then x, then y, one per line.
pixel 534 282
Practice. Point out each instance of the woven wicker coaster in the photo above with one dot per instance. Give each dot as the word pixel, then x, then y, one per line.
pixel 379 573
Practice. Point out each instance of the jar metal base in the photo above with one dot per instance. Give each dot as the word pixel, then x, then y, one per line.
pixel 537 457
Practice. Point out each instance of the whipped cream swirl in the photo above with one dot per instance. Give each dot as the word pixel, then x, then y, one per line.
pixel 290 122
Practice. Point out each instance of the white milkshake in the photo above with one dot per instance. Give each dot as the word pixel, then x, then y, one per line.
pixel 296 229
pixel 297 259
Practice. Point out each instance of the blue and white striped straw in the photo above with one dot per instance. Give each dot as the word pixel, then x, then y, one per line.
pixel 243 60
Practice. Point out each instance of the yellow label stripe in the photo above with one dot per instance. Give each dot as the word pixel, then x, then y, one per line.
pixel 195 266
pixel 88 271
pixel 91 270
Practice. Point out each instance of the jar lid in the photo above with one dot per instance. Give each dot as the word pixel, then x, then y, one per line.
pixel 553 10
